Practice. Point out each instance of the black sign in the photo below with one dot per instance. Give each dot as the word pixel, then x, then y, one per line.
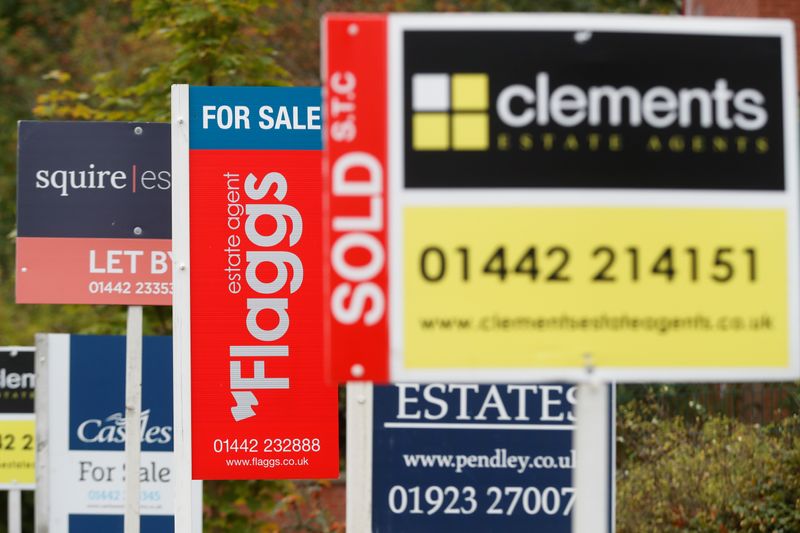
pixel 74 180
pixel 592 110
pixel 17 380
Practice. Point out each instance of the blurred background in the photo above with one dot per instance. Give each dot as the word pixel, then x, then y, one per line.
pixel 706 458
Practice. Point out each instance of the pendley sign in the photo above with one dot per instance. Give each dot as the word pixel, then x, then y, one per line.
pixel 249 284
pixel 93 213
pixel 515 198
pixel 473 457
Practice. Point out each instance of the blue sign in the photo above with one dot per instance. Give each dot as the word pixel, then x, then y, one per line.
pixel 90 382
pixel 86 405
pixel 256 118
pixel 490 458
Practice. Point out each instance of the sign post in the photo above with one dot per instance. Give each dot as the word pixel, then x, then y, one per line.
pixel 98 195
pixel 251 398
pixel 508 192
pixel 594 451
pixel 133 413
pixel 514 209
pixel 14 511
pixel 447 457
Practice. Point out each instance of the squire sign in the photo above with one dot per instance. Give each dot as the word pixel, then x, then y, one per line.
pixel 94 213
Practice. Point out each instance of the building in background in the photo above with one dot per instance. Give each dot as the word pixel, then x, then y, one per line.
pixel 745 8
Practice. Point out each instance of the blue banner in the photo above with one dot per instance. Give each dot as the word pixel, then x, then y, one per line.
pixel 255 118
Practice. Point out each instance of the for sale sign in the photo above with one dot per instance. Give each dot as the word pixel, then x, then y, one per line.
pixel 81 464
pixel 93 213
pixel 449 457
pixel 515 197
pixel 248 229
pixel 17 422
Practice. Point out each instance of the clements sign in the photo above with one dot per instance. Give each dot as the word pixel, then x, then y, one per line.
pixel 450 111
pixel 569 105
pixel 434 121
pixel 601 110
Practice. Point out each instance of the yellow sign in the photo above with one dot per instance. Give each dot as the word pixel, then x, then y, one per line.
pixel 17 452
pixel 506 287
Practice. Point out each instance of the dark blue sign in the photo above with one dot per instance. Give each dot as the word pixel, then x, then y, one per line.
pixel 94 179
pixel 97 393
pixel 489 458
pixel 255 118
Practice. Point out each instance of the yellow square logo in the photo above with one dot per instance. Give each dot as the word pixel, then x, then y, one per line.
pixel 431 131
pixel 450 111
pixel 470 131
pixel 470 92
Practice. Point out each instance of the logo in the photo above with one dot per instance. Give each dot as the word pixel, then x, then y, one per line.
pixel 450 111
pixel 112 430
pixel 508 109
pixel 16 380
pixel 66 181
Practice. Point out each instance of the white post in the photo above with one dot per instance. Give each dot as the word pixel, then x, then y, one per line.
pixel 14 511
pixel 181 334
pixel 592 499
pixel 41 496
pixel 359 457
pixel 133 412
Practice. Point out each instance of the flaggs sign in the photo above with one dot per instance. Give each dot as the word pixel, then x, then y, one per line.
pixel 250 289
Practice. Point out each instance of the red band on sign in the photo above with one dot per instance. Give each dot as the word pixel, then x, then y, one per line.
pixel 357 333
pixel 261 408
pixel 98 271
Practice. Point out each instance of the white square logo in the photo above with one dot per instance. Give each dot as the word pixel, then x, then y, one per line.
pixel 430 92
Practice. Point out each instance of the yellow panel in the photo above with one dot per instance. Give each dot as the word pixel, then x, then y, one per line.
pixel 470 92
pixel 430 131
pixel 17 451
pixel 637 318
pixel 470 131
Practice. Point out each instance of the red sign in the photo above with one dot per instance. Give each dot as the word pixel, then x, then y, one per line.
pixel 260 405
pixel 355 179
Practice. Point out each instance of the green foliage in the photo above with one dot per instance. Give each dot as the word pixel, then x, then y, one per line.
pixel 266 506
pixel 199 42
pixel 710 474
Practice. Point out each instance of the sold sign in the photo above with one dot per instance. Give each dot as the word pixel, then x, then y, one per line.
pixel 500 214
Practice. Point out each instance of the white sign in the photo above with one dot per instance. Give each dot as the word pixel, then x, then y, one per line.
pixel 81 401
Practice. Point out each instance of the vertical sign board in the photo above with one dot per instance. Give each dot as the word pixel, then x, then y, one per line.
pixel 93 213
pixel 84 453
pixel 473 457
pixel 250 283
pixel 515 196
pixel 17 422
